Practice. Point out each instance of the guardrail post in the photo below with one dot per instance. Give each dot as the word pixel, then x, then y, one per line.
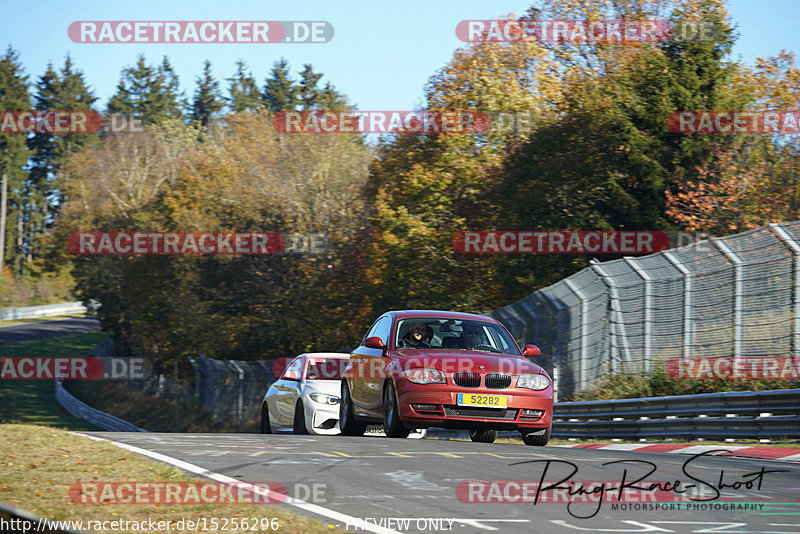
pixel 688 288
pixel 794 247
pixel 648 309
pixel 616 311
pixel 738 297
pixel 584 354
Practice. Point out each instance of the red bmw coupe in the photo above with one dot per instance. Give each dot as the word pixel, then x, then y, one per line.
pixel 420 369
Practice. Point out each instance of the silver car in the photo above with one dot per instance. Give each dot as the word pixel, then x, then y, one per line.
pixel 305 399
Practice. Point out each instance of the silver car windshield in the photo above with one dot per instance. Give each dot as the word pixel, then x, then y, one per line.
pixel 437 333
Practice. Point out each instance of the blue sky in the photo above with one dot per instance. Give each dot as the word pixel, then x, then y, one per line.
pixel 381 56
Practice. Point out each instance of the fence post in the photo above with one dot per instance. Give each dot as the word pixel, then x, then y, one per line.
pixel 738 297
pixel 794 247
pixel 537 331
pixel 688 288
pixel 584 354
pixel 558 305
pixel 616 311
pixel 648 310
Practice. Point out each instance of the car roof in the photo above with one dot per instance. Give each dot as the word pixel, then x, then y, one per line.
pixel 402 314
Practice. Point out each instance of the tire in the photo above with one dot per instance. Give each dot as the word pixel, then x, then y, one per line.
pixel 538 438
pixel 265 427
pixel 393 427
pixel 347 422
pixel 482 436
pixel 299 426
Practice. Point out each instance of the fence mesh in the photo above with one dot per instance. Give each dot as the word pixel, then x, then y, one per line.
pixel 731 296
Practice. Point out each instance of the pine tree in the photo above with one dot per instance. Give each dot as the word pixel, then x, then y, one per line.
pixel 308 92
pixel 243 90
pixel 207 97
pixel 149 92
pixel 64 91
pixel 331 99
pixel 280 91
pixel 14 96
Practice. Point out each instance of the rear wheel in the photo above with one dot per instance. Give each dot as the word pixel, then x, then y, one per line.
pixel 265 428
pixel 483 436
pixel 347 422
pixel 299 419
pixel 393 427
pixel 538 438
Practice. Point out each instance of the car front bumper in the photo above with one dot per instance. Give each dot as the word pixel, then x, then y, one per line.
pixel 448 414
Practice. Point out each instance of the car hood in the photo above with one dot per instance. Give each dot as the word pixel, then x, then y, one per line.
pixel 328 387
pixel 465 360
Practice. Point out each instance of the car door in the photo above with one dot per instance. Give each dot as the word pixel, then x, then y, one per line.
pixel 368 370
pixel 287 392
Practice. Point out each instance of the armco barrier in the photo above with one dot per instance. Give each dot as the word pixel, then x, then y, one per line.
pixel 49 310
pixel 87 413
pixel 732 414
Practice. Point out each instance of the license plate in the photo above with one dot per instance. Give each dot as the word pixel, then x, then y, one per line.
pixel 488 401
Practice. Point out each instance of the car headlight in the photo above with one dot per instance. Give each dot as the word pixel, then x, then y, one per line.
pixel 533 381
pixel 321 398
pixel 424 375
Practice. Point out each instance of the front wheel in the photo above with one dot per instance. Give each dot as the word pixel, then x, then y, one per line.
pixel 538 438
pixel 482 436
pixel 347 422
pixel 265 428
pixel 299 425
pixel 393 427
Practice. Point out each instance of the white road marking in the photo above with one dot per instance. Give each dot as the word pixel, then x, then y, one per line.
pixel 297 503
pixel 644 527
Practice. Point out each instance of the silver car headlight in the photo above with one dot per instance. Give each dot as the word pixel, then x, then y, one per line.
pixel 533 381
pixel 321 398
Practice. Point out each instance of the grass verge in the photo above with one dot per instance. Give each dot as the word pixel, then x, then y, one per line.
pixel 34 401
pixel 39 464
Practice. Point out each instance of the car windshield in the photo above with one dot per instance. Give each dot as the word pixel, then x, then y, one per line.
pixel 462 334
pixel 325 369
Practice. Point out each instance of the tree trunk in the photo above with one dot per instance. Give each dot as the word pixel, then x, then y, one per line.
pixel 20 242
pixel 3 206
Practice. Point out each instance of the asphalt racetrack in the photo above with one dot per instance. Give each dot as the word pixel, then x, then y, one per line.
pixel 379 484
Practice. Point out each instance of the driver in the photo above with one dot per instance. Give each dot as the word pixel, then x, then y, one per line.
pixel 416 338
pixel 471 337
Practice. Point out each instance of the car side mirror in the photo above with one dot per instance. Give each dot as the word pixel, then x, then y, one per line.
pixel 374 343
pixel 531 350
